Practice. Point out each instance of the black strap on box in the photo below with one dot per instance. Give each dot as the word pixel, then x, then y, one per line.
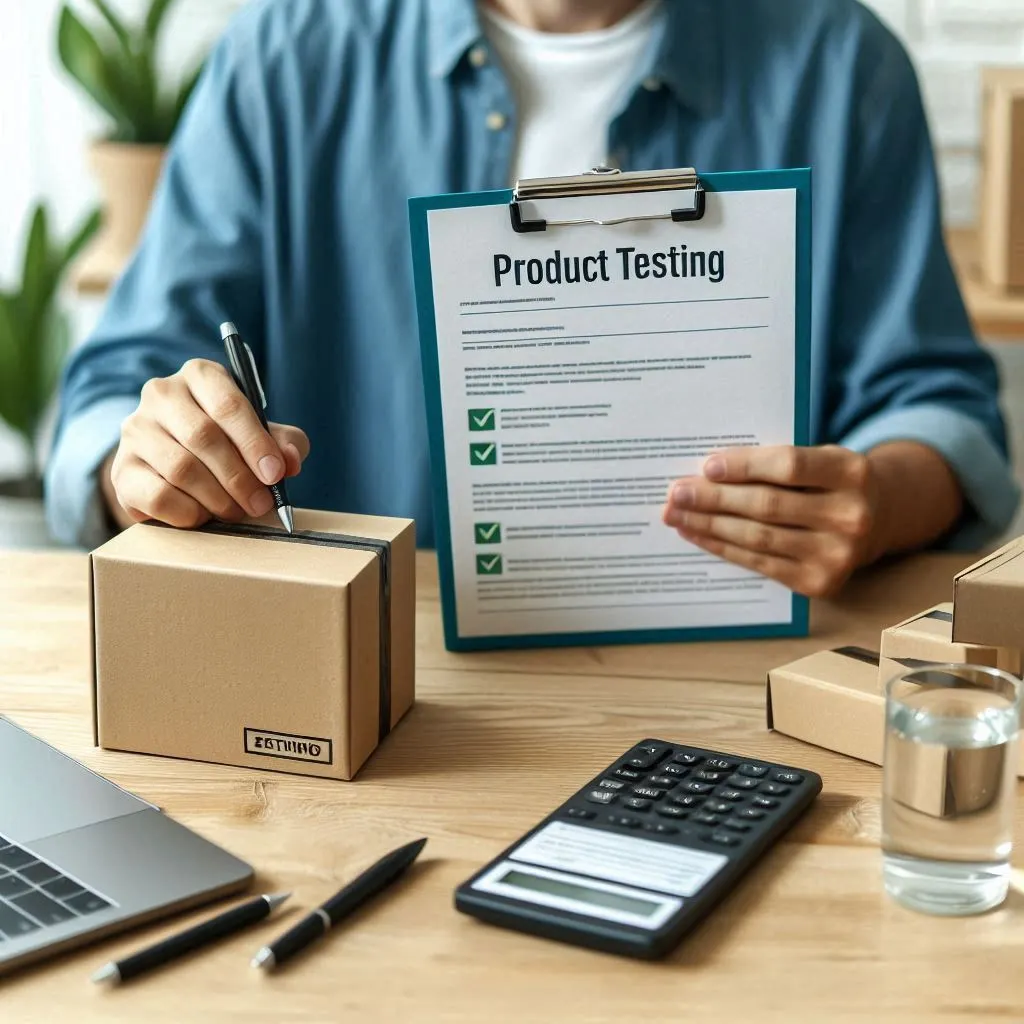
pixel 859 653
pixel 380 548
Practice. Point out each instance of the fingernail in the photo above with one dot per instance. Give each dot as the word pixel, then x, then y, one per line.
pixel 271 469
pixel 714 468
pixel 683 496
pixel 261 503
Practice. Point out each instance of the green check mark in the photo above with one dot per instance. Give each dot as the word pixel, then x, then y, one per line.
pixel 487 533
pixel 488 565
pixel 483 454
pixel 481 419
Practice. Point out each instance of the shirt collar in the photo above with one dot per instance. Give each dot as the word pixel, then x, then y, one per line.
pixel 686 55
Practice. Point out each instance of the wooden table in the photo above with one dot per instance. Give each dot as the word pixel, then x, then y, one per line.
pixel 995 314
pixel 495 741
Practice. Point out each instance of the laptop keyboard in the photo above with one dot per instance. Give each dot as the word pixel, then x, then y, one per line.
pixel 34 894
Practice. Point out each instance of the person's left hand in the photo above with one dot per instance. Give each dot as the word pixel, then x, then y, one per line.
pixel 803 516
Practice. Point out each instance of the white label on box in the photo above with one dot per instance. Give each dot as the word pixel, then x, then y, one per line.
pixel 630 860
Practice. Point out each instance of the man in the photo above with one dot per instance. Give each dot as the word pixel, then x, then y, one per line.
pixel 283 208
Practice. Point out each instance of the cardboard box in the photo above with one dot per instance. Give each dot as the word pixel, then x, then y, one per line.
pixel 927 638
pixel 831 699
pixel 988 599
pixel 244 646
pixel 1001 200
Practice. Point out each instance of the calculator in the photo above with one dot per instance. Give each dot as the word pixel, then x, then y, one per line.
pixel 644 851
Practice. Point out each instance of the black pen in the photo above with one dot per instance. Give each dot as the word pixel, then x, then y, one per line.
pixel 243 369
pixel 317 924
pixel 201 935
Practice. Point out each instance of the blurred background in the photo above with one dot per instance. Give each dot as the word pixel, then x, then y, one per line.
pixel 55 108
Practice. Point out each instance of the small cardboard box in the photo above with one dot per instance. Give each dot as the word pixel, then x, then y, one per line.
pixel 988 599
pixel 244 646
pixel 927 638
pixel 831 699
pixel 1001 200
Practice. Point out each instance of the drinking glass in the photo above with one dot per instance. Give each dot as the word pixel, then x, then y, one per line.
pixel 949 787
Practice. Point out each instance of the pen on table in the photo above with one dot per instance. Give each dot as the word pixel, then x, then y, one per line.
pixel 339 906
pixel 243 369
pixel 196 937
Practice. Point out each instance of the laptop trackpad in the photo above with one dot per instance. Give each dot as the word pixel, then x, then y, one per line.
pixel 45 792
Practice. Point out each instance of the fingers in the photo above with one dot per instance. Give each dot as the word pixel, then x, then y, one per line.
pixel 294 445
pixel 144 494
pixel 844 512
pixel 217 395
pixel 828 467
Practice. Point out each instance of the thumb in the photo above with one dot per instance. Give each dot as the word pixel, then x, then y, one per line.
pixel 294 445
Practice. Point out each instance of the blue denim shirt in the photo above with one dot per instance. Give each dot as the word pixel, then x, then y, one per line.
pixel 283 207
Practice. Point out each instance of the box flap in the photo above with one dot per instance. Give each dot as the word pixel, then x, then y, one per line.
pixel 993 561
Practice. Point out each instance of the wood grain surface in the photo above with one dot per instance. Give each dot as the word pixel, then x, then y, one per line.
pixel 495 741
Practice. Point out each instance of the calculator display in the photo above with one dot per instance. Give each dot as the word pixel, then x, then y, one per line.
pixel 580 893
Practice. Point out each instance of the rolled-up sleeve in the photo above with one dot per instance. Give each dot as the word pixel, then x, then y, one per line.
pixel 905 362
pixel 197 265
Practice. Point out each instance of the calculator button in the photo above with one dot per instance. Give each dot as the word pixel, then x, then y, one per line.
pixel 623 821
pixel 705 776
pixel 687 759
pixel 580 812
pixel 685 801
pixel 703 818
pixel 601 796
pixel 755 771
pixel 664 781
pixel 637 803
pixel 720 764
pixel 766 802
pixel 628 773
pixel 648 792
pixel 723 839
pixel 774 789
pixel 698 787
pixel 736 826
pixel 716 807
pixel 732 795
pixel 742 782
pixel 647 755
pixel 660 829
pixel 611 784
pixel 670 811
pixel 751 813
pixel 790 778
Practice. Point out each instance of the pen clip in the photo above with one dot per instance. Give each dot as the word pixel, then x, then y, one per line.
pixel 254 373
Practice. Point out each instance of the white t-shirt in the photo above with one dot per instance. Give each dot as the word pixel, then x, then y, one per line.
pixel 568 87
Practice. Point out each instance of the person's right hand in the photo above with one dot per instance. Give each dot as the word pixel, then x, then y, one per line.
pixel 195 450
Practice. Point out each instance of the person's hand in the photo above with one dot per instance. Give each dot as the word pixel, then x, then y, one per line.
pixel 806 517
pixel 195 450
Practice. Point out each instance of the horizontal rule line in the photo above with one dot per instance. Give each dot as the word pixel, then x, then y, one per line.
pixel 622 334
pixel 615 305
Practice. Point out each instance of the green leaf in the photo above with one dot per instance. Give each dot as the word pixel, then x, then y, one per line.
pixel 55 341
pixel 155 19
pixel 12 403
pixel 79 240
pixel 173 111
pixel 38 282
pixel 116 25
pixel 85 60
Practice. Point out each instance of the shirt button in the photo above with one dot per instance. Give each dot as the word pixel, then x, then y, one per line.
pixel 651 84
pixel 496 120
pixel 478 56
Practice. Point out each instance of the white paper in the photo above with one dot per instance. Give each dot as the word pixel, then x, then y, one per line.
pixel 592 397
pixel 628 860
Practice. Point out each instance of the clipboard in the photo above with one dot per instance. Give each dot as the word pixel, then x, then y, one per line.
pixel 561 214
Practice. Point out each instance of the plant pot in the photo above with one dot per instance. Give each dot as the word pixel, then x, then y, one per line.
pixel 22 517
pixel 127 175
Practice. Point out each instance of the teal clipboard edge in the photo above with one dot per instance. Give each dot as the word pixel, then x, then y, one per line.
pixel 798 179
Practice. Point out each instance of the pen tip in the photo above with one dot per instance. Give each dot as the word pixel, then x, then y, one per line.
pixel 287 519
pixel 264 959
pixel 276 899
pixel 108 972
pixel 227 329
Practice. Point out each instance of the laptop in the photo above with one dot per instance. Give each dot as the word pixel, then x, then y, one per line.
pixel 80 858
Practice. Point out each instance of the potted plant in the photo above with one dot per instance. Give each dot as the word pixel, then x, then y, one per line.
pixel 33 342
pixel 115 63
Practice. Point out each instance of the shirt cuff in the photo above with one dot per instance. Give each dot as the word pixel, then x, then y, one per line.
pixel 990 491
pixel 75 509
